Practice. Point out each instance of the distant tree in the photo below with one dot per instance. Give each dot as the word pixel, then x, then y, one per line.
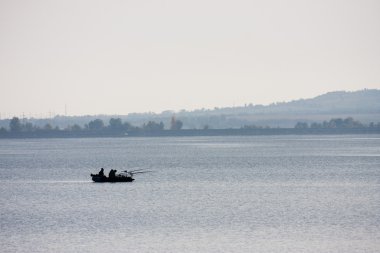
pixel 48 127
pixel 115 124
pixel 336 123
pixel 153 126
pixel 15 125
pixel 96 124
pixel 301 125
pixel 172 123
pixel 175 124
pixel 315 125
pixel 127 126
pixel 3 130
pixel 28 127
pixel 343 123
pixel 351 123
pixel 76 128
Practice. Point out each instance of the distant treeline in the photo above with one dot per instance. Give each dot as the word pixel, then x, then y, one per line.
pixel 116 127
pixel 338 123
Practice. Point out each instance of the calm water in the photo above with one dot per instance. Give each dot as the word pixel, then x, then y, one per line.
pixel 206 194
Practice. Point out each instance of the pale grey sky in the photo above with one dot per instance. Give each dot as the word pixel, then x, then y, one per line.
pixel 117 57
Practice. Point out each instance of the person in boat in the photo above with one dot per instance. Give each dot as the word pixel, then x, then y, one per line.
pixel 101 172
pixel 112 174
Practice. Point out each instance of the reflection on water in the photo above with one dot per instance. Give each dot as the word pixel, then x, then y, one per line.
pixel 209 194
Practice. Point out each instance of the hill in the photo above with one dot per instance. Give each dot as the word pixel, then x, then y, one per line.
pixel 363 105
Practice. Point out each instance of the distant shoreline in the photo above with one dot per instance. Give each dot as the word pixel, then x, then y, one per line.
pixel 193 132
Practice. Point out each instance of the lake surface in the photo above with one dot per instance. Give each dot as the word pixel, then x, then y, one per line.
pixel 206 194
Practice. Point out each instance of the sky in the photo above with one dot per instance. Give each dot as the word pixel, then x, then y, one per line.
pixel 88 57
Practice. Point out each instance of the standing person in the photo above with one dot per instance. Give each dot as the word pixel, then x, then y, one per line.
pixel 101 172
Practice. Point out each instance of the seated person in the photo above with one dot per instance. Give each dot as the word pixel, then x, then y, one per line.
pixel 112 174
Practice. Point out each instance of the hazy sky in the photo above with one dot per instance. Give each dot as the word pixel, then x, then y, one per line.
pixel 116 57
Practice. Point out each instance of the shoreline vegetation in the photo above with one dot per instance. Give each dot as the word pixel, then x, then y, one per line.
pixel 117 128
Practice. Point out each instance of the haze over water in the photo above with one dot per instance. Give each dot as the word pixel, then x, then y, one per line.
pixel 206 194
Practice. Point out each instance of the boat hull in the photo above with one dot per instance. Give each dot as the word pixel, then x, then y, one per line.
pixel 104 179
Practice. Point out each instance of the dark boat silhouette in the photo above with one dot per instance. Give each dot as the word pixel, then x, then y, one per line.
pixel 124 176
pixel 104 179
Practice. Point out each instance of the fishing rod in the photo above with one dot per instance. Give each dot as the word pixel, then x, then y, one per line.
pixel 140 171
pixel 136 170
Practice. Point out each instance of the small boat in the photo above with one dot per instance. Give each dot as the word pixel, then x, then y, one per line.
pixel 120 177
